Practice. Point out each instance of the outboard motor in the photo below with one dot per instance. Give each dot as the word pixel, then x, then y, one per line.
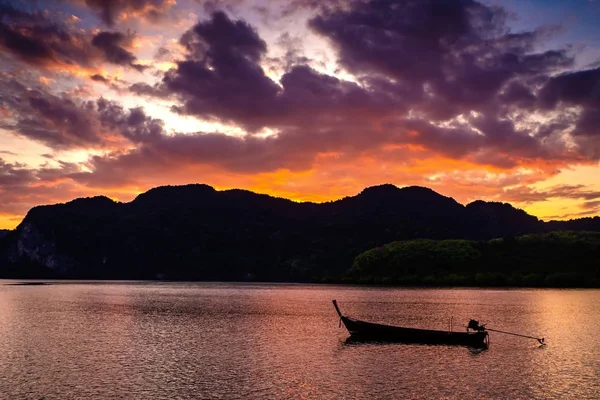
pixel 473 324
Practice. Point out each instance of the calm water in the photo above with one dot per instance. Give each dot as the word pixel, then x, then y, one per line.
pixel 236 341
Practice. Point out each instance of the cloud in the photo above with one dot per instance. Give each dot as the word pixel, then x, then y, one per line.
pixel 22 188
pixel 572 88
pixel 591 204
pixel 457 56
pixel 144 89
pixel 56 121
pixel 580 89
pixel 581 214
pixel 111 44
pixel 14 174
pixel 526 194
pixel 453 60
pixel 132 124
pixel 64 123
pixel 294 52
pixel 43 39
pixel 462 85
pixel 436 42
pixel 36 39
pixel 99 78
pixel 111 11
pixel 221 77
pixel 470 100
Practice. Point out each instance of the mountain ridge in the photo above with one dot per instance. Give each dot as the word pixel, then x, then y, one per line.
pixel 198 233
pixel 362 192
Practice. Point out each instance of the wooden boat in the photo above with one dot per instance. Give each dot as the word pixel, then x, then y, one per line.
pixel 371 332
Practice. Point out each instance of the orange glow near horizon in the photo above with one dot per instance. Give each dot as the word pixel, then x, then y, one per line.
pixel 9 221
pixel 331 180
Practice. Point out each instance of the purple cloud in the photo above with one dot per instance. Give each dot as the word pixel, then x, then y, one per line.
pixel 111 44
pixel 446 76
pixel 459 52
pixel 36 39
pixel 42 39
pixel 221 77
pixel 109 11
pixel 99 78
pixel 582 89
pixel 412 76
pixel 61 122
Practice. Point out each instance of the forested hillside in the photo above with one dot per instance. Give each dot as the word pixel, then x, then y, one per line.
pixel 195 232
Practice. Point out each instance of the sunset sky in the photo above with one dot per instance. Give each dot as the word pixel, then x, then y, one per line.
pixel 303 99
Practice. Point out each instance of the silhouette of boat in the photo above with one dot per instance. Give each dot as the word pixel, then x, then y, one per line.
pixel 362 331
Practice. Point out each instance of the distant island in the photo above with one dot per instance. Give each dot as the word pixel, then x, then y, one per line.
pixel 383 235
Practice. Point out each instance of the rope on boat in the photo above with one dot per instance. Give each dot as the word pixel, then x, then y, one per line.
pixel 541 340
pixel 474 324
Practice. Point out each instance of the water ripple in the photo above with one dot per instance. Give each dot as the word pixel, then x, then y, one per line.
pixel 227 341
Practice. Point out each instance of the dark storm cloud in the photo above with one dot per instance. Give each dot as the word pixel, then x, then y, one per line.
pixel 42 39
pixel 221 77
pixel 456 141
pixel 446 76
pixel 575 88
pixel 400 38
pixel 581 89
pixel 21 187
pixel 14 175
pixel 459 51
pixel 62 123
pixel 308 94
pixel 133 124
pixel 502 135
pixel 58 121
pixel 143 89
pixel 517 94
pixel 99 78
pixel 418 64
pixel 36 39
pixel 110 11
pixel 589 122
pixel 111 44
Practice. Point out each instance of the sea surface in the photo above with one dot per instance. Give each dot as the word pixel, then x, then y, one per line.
pixel 134 340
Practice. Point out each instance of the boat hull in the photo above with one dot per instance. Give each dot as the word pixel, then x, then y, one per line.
pixel 371 332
